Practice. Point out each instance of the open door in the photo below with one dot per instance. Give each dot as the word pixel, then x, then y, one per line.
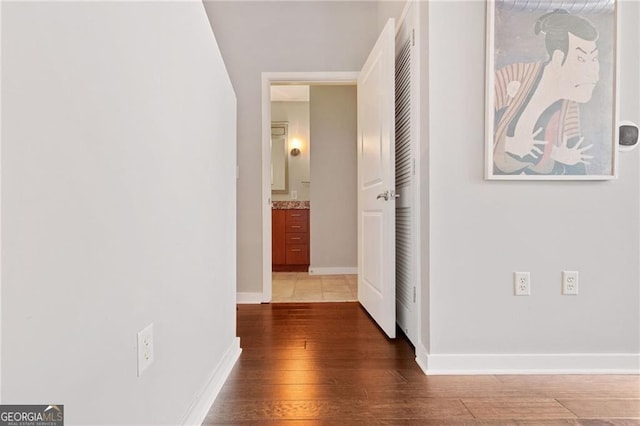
pixel 376 182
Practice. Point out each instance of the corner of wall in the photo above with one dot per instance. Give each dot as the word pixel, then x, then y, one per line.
pixel 422 358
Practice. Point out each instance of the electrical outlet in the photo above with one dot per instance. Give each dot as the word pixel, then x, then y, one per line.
pixel 570 283
pixel 522 283
pixel 145 349
pixel 294 195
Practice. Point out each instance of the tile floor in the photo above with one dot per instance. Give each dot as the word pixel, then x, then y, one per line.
pixel 300 286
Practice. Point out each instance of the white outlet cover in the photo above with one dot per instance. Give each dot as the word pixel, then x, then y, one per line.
pixel 522 283
pixel 145 348
pixel 570 280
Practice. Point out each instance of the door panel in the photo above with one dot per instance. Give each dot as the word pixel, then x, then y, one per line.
pixel 372 229
pixel 376 182
pixel 371 130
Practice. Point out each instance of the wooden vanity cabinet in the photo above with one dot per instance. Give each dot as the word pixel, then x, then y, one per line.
pixel 278 238
pixel 290 240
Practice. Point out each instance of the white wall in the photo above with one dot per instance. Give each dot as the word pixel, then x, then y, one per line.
pixel 482 231
pixel 118 207
pixel 284 36
pixel 389 9
pixel 297 115
pixel 333 177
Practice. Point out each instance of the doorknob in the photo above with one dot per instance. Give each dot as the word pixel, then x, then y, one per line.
pixel 387 195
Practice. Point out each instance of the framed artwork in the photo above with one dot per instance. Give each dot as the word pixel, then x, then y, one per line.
pixel 551 90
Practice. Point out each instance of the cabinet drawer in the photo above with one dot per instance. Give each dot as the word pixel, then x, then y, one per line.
pixel 297 238
pixel 297 254
pixel 297 227
pixel 297 216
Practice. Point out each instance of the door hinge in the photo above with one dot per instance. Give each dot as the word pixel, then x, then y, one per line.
pixel 413 37
pixel 414 294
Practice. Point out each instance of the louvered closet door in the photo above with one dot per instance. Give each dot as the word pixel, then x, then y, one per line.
pixel 405 140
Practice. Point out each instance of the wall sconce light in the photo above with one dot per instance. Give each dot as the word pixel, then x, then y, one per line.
pixel 295 147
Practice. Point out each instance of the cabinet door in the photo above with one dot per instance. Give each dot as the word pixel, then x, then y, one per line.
pixel 278 239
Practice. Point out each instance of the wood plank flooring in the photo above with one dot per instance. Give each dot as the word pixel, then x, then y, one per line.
pixel 329 364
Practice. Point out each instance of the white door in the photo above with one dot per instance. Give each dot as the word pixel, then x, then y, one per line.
pixel 407 151
pixel 376 182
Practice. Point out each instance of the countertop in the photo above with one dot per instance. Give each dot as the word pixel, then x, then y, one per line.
pixel 285 205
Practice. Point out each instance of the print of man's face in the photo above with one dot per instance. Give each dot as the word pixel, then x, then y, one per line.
pixel 580 71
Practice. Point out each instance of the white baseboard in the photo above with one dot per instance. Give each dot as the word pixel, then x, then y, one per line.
pixel 457 364
pixel 199 409
pixel 422 358
pixel 343 270
pixel 246 298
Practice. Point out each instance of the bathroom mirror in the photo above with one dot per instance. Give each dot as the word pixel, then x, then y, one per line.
pixel 279 158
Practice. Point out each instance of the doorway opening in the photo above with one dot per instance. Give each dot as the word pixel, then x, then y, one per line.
pixel 267 216
pixel 313 191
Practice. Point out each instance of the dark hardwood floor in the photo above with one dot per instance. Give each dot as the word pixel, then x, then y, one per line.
pixel 329 364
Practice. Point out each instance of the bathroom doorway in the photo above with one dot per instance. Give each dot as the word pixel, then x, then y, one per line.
pixel 314 216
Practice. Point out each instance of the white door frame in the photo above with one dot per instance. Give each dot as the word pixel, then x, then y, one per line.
pixel 267 79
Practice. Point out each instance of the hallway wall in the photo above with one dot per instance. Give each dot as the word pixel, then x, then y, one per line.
pixel 118 145
pixel 334 214
pixel 482 231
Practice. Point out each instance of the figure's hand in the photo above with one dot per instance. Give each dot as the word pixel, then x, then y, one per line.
pixel 571 156
pixel 522 145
